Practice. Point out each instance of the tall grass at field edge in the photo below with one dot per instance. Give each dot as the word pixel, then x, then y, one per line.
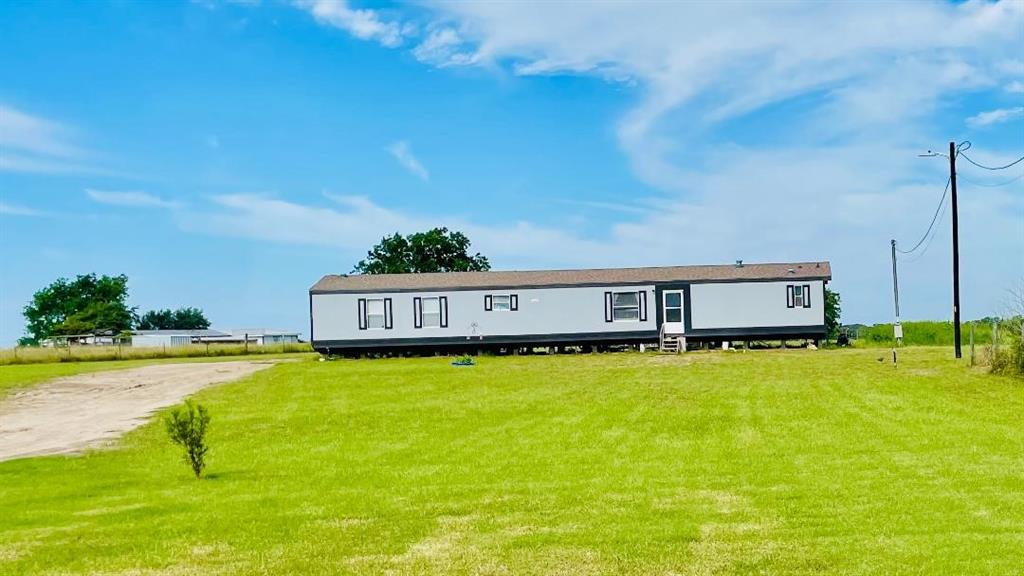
pixel 932 333
pixel 33 355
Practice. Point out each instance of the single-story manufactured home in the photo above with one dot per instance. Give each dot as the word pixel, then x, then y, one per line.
pixel 663 305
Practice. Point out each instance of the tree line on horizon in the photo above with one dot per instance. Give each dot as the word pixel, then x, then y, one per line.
pixel 90 304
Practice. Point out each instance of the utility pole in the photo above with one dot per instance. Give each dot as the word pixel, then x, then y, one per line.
pixel 897 328
pixel 956 250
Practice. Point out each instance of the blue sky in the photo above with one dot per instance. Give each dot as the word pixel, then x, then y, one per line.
pixel 226 155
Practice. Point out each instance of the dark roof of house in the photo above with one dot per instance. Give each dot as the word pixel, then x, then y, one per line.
pixel 591 277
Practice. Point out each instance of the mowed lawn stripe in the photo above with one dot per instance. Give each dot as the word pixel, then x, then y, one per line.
pixel 796 461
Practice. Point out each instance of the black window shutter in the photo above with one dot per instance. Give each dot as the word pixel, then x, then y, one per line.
pixel 388 322
pixel 807 296
pixel 417 312
pixel 443 304
pixel 488 306
pixel 641 298
pixel 789 297
pixel 513 302
pixel 361 307
pixel 607 306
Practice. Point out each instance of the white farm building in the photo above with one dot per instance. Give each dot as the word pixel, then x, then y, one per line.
pixel 254 336
pixel 473 310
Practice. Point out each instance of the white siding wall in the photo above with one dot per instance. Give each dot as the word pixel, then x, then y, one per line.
pixel 541 311
pixel 753 304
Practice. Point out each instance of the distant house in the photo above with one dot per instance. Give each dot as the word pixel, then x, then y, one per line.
pixel 663 305
pixel 256 336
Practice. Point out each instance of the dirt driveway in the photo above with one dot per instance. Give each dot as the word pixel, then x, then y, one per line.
pixel 70 414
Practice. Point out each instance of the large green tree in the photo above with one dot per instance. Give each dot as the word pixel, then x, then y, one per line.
pixel 87 304
pixel 181 319
pixel 833 311
pixel 437 250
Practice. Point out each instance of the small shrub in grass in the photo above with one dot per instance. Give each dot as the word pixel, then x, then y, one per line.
pixel 187 426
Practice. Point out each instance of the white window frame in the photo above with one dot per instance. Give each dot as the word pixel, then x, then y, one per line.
pixel 382 314
pixel 496 298
pixel 635 307
pixel 798 296
pixel 667 307
pixel 435 314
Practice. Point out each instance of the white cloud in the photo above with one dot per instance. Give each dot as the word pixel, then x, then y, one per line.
pixel 997 116
pixel 15 210
pixel 403 153
pixel 354 223
pixel 130 198
pixel 34 144
pixel 364 24
pixel 1015 87
pixel 444 47
pixel 700 64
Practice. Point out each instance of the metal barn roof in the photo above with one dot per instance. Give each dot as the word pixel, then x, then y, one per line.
pixel 171 332
pixel 585 277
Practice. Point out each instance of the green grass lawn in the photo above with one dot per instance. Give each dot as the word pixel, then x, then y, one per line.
pixel 775 462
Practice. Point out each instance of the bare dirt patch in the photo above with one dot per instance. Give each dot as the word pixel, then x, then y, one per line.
pixel 68 415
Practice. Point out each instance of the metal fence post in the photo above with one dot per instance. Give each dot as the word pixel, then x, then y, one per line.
pixel 972 343
pixel 995 340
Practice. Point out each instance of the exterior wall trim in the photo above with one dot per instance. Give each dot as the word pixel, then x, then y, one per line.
pixel 524 339
pixel 770 332
pixel 500 287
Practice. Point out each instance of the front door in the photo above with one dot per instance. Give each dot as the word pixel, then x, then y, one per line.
pixel 672 311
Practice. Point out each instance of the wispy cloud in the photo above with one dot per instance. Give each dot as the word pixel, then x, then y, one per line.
pixel 997 116
pixel 867 73
pixel 1015 87
pixel 364 23
pixel 15 210
pixel 403 153
pixel 353 223
pixel 34 144
pixel 444 47
pixel 130 198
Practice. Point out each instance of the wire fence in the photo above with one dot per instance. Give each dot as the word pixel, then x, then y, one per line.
pixel 39 355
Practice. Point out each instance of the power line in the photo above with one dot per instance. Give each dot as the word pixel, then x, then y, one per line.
pixel 942 202
pixel 968 158
pixel 992 184
pixel 927 244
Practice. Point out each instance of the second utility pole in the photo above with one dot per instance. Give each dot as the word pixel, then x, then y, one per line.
pixel 896 328
pixel 956 250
